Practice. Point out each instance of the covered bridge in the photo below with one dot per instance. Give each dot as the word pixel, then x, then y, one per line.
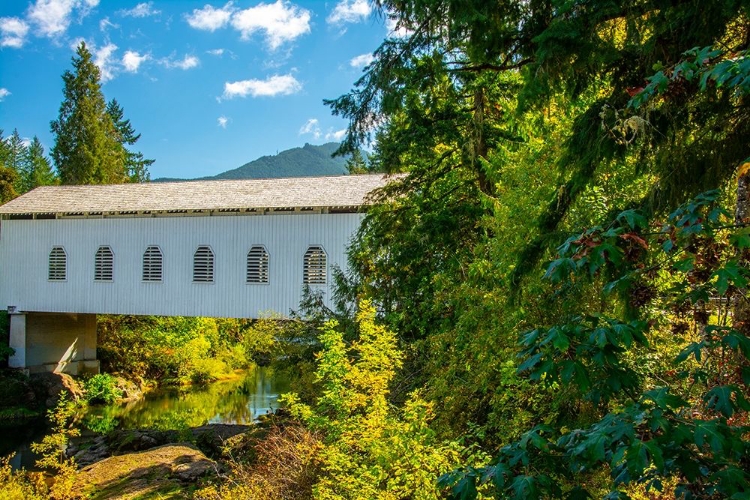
pixel 237 249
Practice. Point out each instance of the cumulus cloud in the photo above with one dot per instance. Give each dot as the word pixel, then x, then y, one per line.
pixel 4 93
pixel 104 59
pixel 52 17
pixel 132 60
pixel 215 52
pixel 311 127
pixel 187 62
pixel 348 11
pixel 337 135
pixel 144 9
pixel 13 32
pixel 280 22
pixel 222 121
pixel 361 61
pixel 210 19
pixel 272 86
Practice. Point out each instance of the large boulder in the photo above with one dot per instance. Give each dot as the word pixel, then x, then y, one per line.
pixel 157 472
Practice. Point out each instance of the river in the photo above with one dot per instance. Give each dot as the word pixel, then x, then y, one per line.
pixel 237 401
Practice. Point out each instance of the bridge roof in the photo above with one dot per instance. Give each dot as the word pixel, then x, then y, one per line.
pixel 335 192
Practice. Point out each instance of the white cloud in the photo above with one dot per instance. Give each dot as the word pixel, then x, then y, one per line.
pixel 280 21
pixel 104 59
pixel 52 17
pixel 348 11
pixel 4 93
pixel 210 19
pixel 13 32
pixel 144 9
pixel 275 85
pixel 222 121
pixel 132 60
pixel 187 62
pixel 215 52
pixel 105 24
pixel 310 127
pixel 337 135
pixel 395 30
pixel 361 61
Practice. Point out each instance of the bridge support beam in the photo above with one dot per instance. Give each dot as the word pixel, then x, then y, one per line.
pixel 55 342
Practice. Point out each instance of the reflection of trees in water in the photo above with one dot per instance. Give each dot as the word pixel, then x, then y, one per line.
pixel 239 401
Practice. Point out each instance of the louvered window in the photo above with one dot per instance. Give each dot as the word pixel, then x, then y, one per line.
pixel 203 265
pixel 58 265
pixel 152 264
pixel 257 265
pixel 103 264
pixel 314 272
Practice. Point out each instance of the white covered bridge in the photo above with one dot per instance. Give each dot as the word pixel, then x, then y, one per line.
pixel 235 249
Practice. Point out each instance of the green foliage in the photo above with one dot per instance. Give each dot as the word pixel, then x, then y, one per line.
pixel 87 148
pixel 52 449
pixel 652 427
pixel 369 450
pixel 101 388
pixel 135 164
pixel 172 349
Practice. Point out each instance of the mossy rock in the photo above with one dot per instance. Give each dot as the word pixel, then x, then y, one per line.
pixel 169 471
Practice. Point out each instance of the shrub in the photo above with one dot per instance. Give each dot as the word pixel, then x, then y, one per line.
pixel 102 388
pixel 370 451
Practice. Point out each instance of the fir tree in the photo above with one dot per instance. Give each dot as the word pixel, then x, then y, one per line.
pixel 86 149
pixel 36 169
pixel 136 164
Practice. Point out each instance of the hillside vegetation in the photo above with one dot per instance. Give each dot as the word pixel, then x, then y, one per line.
pixel 307 161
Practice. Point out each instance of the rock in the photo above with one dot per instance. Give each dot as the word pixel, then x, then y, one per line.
pixel 151 473
pixel 53 384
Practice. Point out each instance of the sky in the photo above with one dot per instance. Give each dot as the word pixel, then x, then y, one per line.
pixel 210 86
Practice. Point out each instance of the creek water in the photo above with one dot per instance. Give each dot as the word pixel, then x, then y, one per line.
pixel 238 401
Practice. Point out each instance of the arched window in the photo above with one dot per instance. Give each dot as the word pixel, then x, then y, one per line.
pixel 103 264
pixel 203 265
pixel 58 265
pixel 152 264
pixel 257 265
pixel 314 271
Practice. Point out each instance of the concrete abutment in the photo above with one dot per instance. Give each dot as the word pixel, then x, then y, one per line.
pixel 55 342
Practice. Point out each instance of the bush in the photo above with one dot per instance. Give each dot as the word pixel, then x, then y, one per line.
pixel 102 388
pixel 285 466
pixel 370 450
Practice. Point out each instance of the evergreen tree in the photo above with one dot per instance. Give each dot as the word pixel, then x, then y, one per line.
pixel 16 151
pixel 86 150
pixel 136 164
pixel 36 169
pixel 8 176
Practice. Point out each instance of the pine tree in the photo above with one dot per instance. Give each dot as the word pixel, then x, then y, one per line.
pixel 136 164
pixel 36 169
pixel 86 149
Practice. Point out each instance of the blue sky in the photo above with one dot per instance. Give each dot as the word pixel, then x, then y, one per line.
pixel 210 86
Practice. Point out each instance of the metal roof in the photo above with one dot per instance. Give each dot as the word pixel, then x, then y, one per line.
pixel 346 191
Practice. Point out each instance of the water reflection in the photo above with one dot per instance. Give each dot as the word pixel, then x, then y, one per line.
pixel 239 401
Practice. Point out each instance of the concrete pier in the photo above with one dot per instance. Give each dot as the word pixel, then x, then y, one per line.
pixel 55 342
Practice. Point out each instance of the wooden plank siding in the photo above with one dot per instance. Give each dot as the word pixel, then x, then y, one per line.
pixel 25 247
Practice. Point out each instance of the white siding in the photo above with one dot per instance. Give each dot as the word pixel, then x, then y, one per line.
pixel 25 246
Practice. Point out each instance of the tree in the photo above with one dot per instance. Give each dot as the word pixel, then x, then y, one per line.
pixel 136 164
pixel 8 176
pixel 87 149
pixel 36 169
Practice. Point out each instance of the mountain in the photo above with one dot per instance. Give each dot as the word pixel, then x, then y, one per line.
pixel 307 161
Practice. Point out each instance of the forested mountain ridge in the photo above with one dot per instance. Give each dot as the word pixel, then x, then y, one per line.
pixel 307 161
